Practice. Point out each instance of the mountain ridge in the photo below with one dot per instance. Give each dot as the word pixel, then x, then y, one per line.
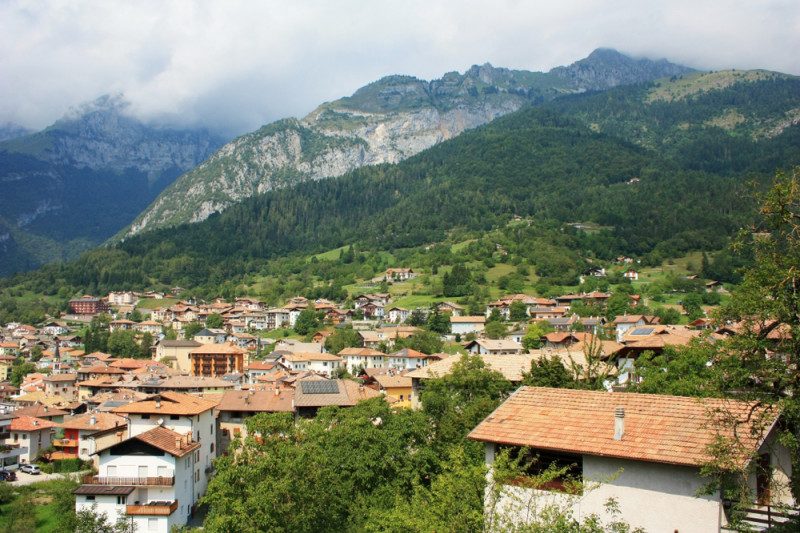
pixel 383 122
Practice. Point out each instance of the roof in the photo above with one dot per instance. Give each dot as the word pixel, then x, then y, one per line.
pixel 168 403
pixel 101 421
pixel 29 423
pixel 257 400
pixel 468 319
pixel 657 428
pixel 100 490
pixel 361 352
pixel 511 366
pixel 169 441
pixel 40 411
pixel 213 349
pixel 341 392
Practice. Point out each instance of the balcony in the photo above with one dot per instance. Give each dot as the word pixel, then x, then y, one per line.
pixel 65 443
pixel 153 509
pixel 130 481
pixel 11 450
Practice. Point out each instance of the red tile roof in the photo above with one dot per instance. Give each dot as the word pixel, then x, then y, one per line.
pixel 662 429
pixel 168 403
pixel 29 423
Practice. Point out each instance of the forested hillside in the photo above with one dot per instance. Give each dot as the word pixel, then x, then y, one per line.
pixel 548 166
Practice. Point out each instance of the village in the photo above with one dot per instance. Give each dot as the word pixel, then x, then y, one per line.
pixel 151 427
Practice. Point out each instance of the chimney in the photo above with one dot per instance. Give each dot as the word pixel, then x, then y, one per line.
pixel 92 420
pixel 619 423
pixel 158 403
pixel 178 442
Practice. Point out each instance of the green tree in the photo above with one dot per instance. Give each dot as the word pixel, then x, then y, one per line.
pixel 306 321
pixel 495 330
pixel 342 338
pixel 191 329
pixel 214 321
pixel 439 322
pixel 692 304
pixel 18 372
pixel 122 343
pixel 534 333
pixel 145 345
pixel 427 342
pixel 548 372
pixel 518 311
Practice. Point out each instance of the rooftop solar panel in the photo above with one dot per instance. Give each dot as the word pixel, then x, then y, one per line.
pixel 642 331
pixel 319 387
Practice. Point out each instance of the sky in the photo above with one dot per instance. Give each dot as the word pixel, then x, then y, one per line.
pixel 235 65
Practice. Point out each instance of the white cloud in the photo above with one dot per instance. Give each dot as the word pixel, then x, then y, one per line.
pixel 241 63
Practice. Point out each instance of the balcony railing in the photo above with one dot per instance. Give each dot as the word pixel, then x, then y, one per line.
pixel 65 443
pixel 153 508
pixel 161 481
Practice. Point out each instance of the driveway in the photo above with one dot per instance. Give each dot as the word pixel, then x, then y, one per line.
pixel 27 479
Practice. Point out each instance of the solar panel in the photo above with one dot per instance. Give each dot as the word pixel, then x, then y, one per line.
pixel 642 331
pixel 319 387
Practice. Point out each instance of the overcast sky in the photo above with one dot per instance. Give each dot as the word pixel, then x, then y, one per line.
pixel 239 64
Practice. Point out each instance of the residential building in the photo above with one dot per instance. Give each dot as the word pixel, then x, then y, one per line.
pixel 644 451
pixel 353 358
pixel 76 435
pixel 216 360
pixel 462 325
pixel 150 478
pixel 493 346
pixel 29 435
pixel 238 405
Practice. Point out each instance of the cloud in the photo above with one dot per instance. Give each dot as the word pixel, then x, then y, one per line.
pixel 238 64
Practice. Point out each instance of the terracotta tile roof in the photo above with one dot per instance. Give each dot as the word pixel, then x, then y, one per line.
pixel 347 393
pixel 40 411
pixel 213 349
pixel 29 423
pixel 61 378
pixel 168 403
pixel 468 319
pixel 168 441
pixel 388 381
pixel 101 421
pixel 511 366
pixel 257 401
pixel 662 429
pixel 361 352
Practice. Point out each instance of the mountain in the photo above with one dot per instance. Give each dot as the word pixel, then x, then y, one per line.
pixel 384 122
pixel 546 166
pixel 9 130
pixel 73 185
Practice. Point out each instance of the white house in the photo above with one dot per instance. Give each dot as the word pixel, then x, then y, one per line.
pixel 352 358
pixel 467 324
pixel 184 414
pixel 494 346
pixel 150 477
pixel 645 451
pixel 28 435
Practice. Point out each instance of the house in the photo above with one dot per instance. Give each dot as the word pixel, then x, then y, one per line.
pixel 211 336
pixel 353 358
pixel 323 363
pixel 462 325
pixel 394 384
pixel 623 323
pixel 28 435
pixel 399 274
pixel 61 385
pixel 150 478
pixel 449 307
pixel 88 306
pixel 311 394
pixel 494 347
pixel 397 314
pixel 631 274
pixel 216 360
pixel 407 358
pixel 184 414
pixel 644 451
pixel 121 298
pixel 55 328
pixel 238 405
pixel 76 435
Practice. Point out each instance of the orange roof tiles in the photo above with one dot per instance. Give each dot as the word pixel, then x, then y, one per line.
pixel 662 429
pixel 169 403
pixel 101 421
pixel 168 441
pixel 29 423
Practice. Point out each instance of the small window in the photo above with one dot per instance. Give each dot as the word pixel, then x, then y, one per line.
pixel 90 498
pixel 174 417
pixel 145 417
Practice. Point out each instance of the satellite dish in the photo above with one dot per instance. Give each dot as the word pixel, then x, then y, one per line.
pixel 160 421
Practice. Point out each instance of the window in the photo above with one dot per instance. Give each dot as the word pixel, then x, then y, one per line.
pixel 90 498
pixel 122 500
pixel 174 417
pixel 212 447
pixel 145 417
pixel 547 470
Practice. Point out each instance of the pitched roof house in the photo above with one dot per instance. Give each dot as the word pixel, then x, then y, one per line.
pixel 645 451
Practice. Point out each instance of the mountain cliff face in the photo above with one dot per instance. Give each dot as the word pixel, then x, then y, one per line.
pixel 73 185
pixel 384 122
